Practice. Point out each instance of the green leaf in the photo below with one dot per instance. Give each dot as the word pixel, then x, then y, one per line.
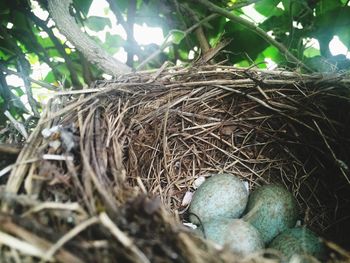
pixel 260 61
pixel 17 103
pixel 123 4
pixel 83 5
pixel 113 43
pixel 97 40
pixel 268 8
pixel 53 53
pixel 3 56
pixel 45 42
pixel 18 90
pixel 318 63
pixel 273 53
pixel 155 14
pixel 324 6
pixel 97 23
pixel 62 68
pixel 245 45
pixel 6 45
pixel 243 64
pixel 181 50
pixel 19 20
pixel 32 58
pixel 344 36
pixel 176 36
pixel 216 30
pixel 311 52
pixel 297 9
pixel 139 4
pixel 331 64
pixel 335 22
pixel 50 77
pixel 277 23
pixel 4 9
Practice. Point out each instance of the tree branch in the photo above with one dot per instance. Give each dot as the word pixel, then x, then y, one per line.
pixel 118 14
pixel 199 31
pixel 212 16
pixel 59 11
pixel 253 28
pixel 202 39
pixel 38 82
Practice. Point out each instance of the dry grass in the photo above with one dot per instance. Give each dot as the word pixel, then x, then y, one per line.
pixel 153 133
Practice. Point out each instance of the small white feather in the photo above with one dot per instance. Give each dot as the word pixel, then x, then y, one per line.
pixel 197 183
pixel 190 225
pixel 246 184
pixel 187 198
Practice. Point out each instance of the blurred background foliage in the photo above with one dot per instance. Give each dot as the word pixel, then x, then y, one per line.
pixel 35 59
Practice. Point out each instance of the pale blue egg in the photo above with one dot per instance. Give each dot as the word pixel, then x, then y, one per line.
pixel 271 209
pixel 220 196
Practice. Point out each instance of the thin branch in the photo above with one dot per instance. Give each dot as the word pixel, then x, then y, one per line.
pixel 38 82
pixel 19 126
pixel 120 19
pixel 24 70
pixel 254 28
pixel 202 39
pixel 59 11
pixel 212 16
pixel 199 31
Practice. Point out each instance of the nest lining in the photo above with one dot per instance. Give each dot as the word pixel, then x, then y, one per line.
pixel 156 132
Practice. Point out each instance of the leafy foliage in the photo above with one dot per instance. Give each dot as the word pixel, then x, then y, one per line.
pixel 28 41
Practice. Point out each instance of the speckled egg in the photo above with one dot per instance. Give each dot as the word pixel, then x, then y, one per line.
pixel 220 196
pixel 271 209
pixel 238 235
pixel 298 242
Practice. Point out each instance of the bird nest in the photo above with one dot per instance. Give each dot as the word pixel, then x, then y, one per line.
pixel 103 176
